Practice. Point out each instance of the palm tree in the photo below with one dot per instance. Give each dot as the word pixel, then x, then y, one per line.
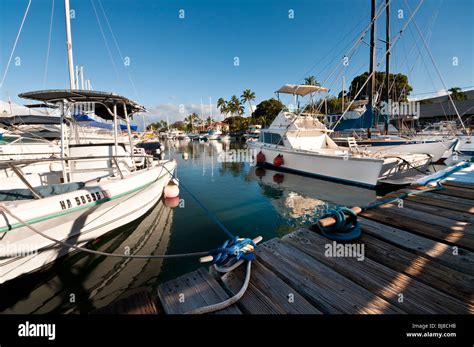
pixel 221 104
pixel 311 81
pixel 163 125
pixel 457 94
pixel 191 120
pixel 209 121
pixel 235 106
pixel 248 96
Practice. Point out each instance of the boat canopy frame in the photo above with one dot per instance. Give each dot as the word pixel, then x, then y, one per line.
pixel 301 89
pixel 104 102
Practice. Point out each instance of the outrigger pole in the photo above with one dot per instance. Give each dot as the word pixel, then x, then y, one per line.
pixel 387 64
pixel 371 85
pixel 69 45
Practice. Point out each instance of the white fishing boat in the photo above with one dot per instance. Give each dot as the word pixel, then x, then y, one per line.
pixel 300 143
pixel 90 189
pixel 253 132
pixel 443 130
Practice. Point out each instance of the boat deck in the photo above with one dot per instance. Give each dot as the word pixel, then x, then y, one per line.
pixel 418 258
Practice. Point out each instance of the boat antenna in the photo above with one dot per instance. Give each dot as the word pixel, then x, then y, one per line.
pixel 371 83
pixel 69 44
pixel 387 64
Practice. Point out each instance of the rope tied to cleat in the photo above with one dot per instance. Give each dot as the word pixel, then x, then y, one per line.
pixel 345 226
pixel 240 248
pixel 341 224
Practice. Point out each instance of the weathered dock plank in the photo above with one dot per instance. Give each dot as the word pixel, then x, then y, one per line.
pixel 468 186
pixel 448 198
pixel 432 273
pixel 439 211
pixel 191 291
pixel 417 297
pixel 459 233
pixel 428 217
pixel 436 251
pixel 266 294
pixel 457 192
pixel 325 288
pixel 448 205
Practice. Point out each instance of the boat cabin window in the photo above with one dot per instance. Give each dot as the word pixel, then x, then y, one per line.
pixel 271 138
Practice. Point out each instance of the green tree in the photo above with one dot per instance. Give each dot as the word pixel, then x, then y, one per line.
pixel 209 121
pixel 190 121
pixel 235 107
pixel 248 96
pixel 399 86
pixel 311 81
pixel 179 125
pixel 267 110
pixel 457 94
pixel 237 123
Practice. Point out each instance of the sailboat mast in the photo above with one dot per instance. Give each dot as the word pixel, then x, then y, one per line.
pixel 387 63
pixel 371 84
pixel 69 44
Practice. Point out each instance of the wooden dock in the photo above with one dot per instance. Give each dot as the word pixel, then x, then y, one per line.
pixel 418 258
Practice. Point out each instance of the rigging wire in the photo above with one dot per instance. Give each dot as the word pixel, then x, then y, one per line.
pixel 105 42
pixel 389 50
pixel 436 68
pixel 16 41
pixel 49 45
pixel 117 47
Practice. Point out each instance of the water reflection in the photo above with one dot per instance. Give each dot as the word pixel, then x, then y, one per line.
pixel 247 200
pixel 81 282
pixel 302 200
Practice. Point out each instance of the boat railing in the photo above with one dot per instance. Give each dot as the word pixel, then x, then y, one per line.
pixel 116 170
pixel 5 163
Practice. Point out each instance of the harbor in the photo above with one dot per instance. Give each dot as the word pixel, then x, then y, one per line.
pixel 415 263
pixel 159 162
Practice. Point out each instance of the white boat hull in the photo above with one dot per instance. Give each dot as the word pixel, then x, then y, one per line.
pixel 75 218
pixel 342 168
pixel 347 169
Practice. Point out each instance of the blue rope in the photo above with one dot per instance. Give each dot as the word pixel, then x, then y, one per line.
pixel 346 227
pixel 233 248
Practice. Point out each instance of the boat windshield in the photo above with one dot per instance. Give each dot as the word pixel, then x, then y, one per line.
pixel 271 138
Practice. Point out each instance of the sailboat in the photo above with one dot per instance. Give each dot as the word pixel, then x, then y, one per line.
pixel 375 140
pixel 80 195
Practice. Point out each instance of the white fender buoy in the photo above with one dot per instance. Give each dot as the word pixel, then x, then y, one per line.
pixel 171 190
pixel 185 155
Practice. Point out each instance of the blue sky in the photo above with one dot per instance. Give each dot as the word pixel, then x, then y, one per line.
pixel 177 61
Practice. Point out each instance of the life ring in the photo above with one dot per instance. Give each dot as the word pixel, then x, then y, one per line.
pixel 278 161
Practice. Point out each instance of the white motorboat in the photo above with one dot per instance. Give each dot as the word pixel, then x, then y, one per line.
pixel 443 130
pixel 214 134
pixel 300 143
pixel 89 190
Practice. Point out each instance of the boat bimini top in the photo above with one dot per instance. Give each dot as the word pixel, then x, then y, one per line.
pixel 104 102
pixel 301 89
